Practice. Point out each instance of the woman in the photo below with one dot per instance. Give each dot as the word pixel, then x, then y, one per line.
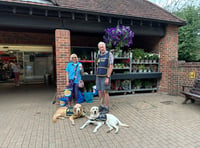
pixel 16 69
pixel 74 70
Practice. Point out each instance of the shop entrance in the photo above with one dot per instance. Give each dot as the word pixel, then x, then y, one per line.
pixel 36 65
pixel 35 62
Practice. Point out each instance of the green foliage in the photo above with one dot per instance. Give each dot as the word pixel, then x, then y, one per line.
pixel 138 54
pixel 141 67
pixel 147 84
pixel 138 82
pixel 189 41
pixel 155 57
pixel 146 56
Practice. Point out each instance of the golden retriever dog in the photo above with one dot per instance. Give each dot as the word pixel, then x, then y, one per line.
pixel 99 119
pixel 71 112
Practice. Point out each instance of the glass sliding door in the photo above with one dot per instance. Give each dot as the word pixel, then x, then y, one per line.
pixel 37 64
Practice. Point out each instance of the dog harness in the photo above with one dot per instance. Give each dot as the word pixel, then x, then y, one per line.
pixel 69 111
pixel 101 117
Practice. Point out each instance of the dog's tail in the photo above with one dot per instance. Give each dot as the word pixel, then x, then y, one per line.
pixel 122 124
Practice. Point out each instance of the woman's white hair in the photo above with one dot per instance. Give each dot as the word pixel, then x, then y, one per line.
pixel 102 43
pixel 74 55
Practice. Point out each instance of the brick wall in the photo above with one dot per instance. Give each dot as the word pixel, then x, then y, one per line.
pixel 7 37
pixel 184 69
pixel 63 51
pixel 168 48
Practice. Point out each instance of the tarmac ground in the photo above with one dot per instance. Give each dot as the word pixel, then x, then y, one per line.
pixel 155 120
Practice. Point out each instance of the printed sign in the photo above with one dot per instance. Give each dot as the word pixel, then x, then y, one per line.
pixel 192 75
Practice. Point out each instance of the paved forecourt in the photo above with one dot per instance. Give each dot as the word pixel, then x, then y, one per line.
pixel 155 121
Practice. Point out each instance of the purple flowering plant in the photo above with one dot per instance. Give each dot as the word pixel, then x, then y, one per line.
pixel 118 37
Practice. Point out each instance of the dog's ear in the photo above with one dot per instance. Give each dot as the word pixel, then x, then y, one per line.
pixel 74 110
pixel 81 109
pixel 91 109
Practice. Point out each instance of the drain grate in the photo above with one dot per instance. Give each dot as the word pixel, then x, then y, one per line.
pixel 167 102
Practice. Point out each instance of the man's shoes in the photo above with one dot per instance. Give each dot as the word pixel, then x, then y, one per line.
pixel 101 108
pixel 105 110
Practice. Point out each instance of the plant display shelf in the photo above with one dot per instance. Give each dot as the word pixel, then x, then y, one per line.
pixel 133 90
pixel 120 91
pixel 124 72
pixel 121 76
pixel 145 89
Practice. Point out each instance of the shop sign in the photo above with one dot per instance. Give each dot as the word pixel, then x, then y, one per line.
pixel 192 74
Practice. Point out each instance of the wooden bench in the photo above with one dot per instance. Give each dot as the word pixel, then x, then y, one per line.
pixel 194 92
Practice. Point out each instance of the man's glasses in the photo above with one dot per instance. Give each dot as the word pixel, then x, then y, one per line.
pixel 74 57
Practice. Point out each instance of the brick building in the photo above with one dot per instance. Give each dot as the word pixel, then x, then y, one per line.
pixel 42 33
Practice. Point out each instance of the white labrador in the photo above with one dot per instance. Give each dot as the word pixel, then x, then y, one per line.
pixel 111 121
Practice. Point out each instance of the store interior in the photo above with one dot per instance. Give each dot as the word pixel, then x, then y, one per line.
pixel 34 61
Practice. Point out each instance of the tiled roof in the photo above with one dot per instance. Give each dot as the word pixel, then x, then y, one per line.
pixel 35 2
pixel 132 8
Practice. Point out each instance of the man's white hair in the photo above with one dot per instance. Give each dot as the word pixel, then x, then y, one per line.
pixel 101 43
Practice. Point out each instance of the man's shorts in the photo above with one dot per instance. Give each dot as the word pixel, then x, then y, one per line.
pixel 100 84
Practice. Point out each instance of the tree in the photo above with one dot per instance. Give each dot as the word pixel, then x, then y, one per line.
pixel 189 41
pixel 189 35
pixel 175 5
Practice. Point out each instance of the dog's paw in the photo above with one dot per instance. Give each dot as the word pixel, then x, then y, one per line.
pixel 108 131
pixel 116 132
pixel 87 116
pixel 81 128
pixel 94 131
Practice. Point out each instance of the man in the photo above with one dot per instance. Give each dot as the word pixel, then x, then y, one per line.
pixel 105 62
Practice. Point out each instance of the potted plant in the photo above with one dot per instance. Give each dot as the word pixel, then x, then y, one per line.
pixel 146 57
pixel 150 57
pixel 148 68
pixel 138 54
pixel 126 63
pixel 147 84
pixel 118 37
pixel 137 84
pixel 155 58
pixel 141 68
pixel 153 68
pixel 134 68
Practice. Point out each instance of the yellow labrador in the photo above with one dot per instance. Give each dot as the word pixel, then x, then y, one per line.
pixel 110 120
pixel 72 113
